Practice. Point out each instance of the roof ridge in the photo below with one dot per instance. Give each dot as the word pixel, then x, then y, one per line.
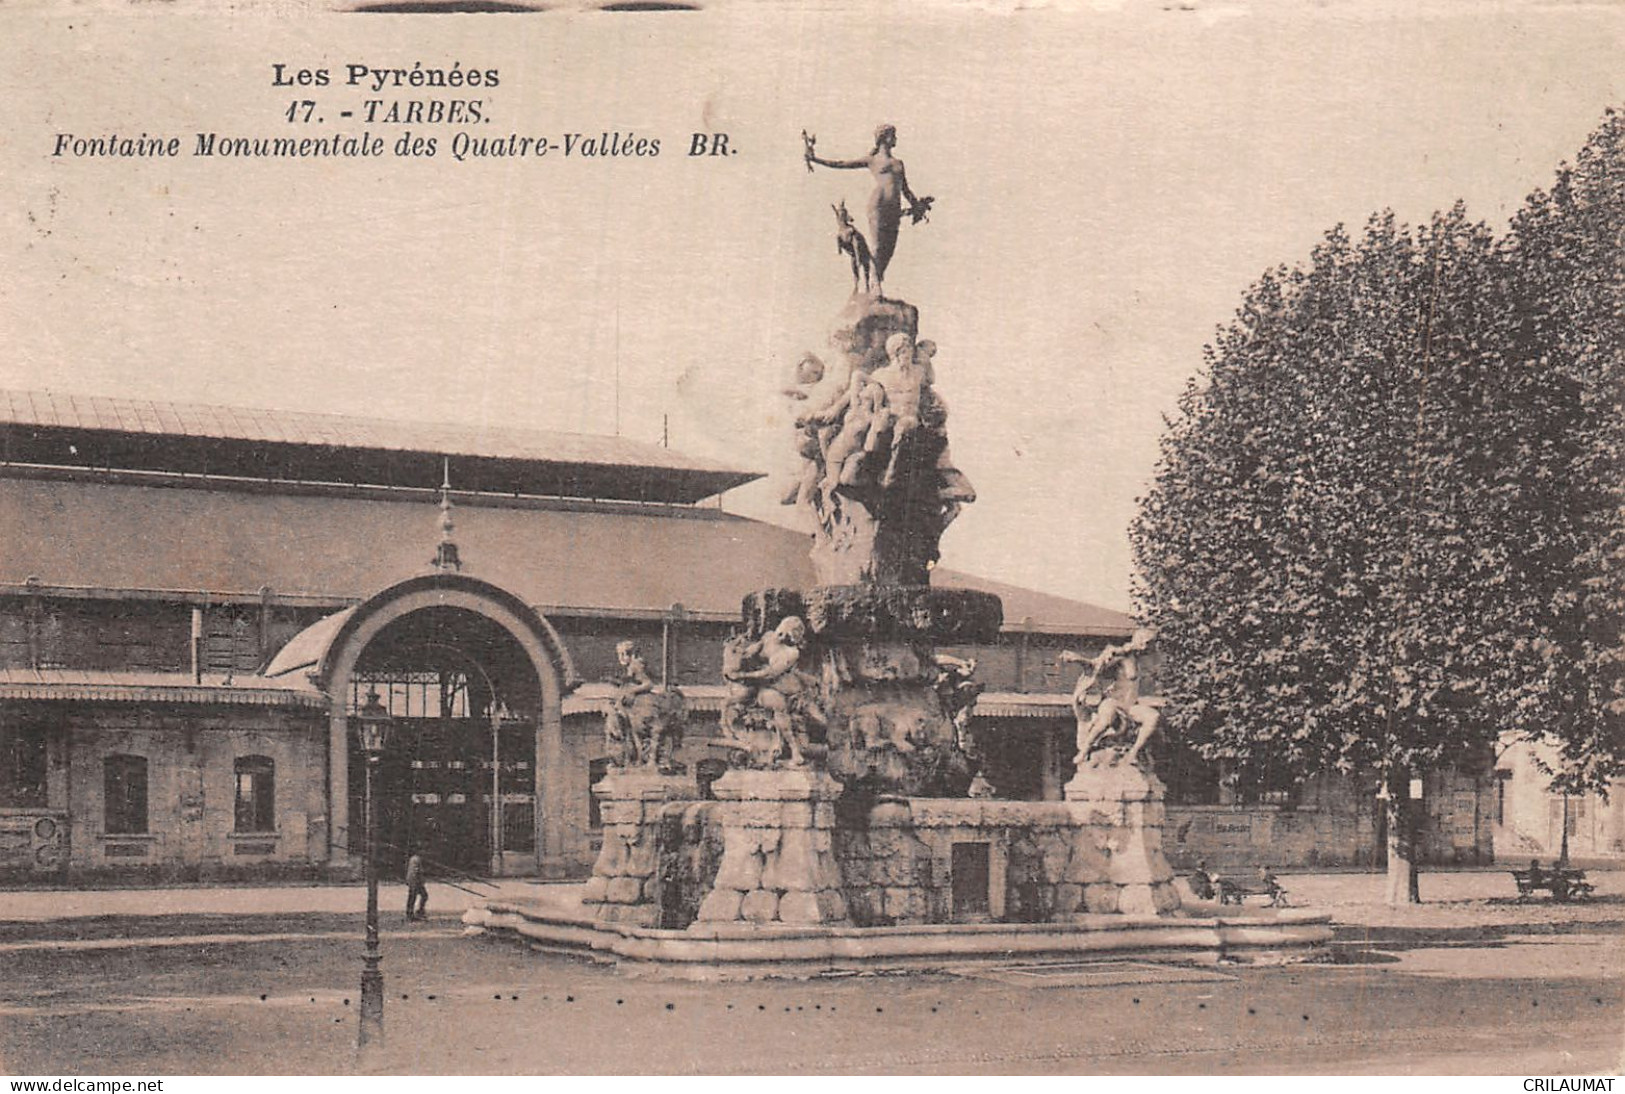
pixel 79 401
pixel 321 445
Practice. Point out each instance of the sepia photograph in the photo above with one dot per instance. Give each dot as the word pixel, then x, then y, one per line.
pixel 820 538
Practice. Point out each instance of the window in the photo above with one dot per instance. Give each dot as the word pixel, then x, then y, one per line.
pixel 256 794
pixel 231 641
pixel 22 766
pixel 124 799
pixel 52 641
pixel 595 772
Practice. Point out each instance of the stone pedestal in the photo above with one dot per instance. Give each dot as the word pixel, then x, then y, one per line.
pixel 624 887
pixel 1122 806
pixel 778 856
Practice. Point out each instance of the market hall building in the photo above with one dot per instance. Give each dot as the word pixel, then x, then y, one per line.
pixel 196 601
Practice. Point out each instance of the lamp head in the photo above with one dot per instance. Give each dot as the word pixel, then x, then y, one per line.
pixel 373 725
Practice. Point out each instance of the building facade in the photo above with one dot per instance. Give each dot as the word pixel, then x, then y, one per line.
pixel 1529 821
pixel 196 601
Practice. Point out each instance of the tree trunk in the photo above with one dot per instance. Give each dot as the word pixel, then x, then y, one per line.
pixel 1403 878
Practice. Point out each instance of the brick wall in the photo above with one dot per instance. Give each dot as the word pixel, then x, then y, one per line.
pixel 1228 836
pixel 1335 824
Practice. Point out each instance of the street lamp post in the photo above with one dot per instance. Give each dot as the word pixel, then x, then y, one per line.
pixel 1563 854
pixel 498 718
pixel 372 727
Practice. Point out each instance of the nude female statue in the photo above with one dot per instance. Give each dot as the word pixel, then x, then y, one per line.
pixel 886 202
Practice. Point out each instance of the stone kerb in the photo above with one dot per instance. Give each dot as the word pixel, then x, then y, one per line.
pixel 625 883
pixel 778 860
pixel 1121 808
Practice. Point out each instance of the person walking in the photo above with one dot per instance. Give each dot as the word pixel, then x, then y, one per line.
pixel 417 893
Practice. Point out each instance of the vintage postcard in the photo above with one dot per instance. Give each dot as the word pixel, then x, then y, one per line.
pixel 706 538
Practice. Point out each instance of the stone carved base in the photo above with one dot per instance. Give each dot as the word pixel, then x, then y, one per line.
pixel 1124 805
pixel 778 862
pixel 625 882
pixel 889 706
pixel 892 736
pixel 919 613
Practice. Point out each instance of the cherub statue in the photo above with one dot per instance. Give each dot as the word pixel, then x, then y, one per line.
pixel 740 694
pixel 925 354
pixel 886 202
pixel 777 686
pixel 1107 697
pixel 954 490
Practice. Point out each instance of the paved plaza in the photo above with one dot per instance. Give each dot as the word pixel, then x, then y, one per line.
pixel 230 980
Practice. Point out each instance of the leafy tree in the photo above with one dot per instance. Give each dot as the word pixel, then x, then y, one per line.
pixel 1388 525
pixel 1330 591
pixel 1567 250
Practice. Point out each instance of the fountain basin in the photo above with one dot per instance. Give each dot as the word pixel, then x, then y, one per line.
pixel 741 951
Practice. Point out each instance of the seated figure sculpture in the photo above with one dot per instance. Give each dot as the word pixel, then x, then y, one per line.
pixel 872 444
pixel 1107 699
pixel 906 386
pixel 861 421
pixel 954 490
pixel 957 690
pixel 774 687
pixel 812 435
pixel 645 721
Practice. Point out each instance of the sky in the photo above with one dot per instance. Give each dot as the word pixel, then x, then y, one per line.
pixel 1109 180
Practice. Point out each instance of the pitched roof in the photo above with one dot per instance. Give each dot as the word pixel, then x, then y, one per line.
pixel 155 687
pixel 190 438
pixel 119 536
pixel 560 555
pixel 1053 614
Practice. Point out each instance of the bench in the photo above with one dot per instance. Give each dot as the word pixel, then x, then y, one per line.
pixel 1236 891
pixel 1563 884
pixel 1228 890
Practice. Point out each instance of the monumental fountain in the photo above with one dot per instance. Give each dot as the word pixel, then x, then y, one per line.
pixel 853 828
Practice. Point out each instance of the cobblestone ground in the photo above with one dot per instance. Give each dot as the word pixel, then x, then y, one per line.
pixel 262 981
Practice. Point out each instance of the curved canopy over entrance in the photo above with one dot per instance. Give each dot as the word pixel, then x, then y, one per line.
pixel 473 680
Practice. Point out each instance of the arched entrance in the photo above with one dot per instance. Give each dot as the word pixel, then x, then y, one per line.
pixel 474 679
pixel 458 785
